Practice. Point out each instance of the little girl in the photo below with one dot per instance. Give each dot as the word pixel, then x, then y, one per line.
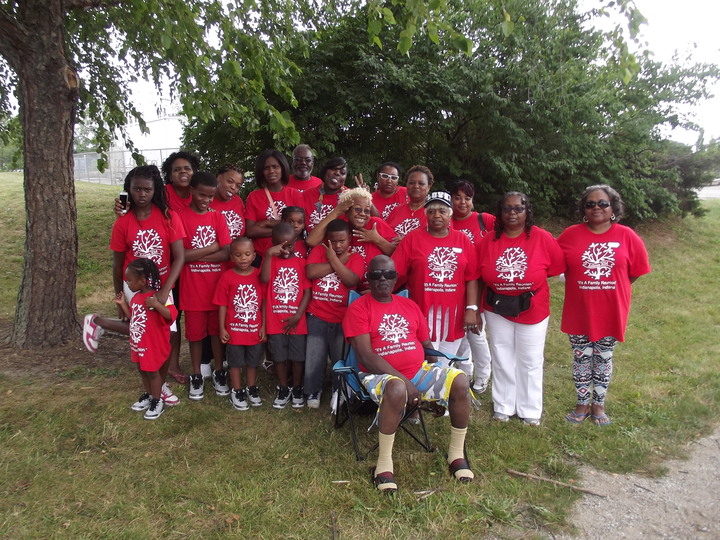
pixel 149 331
pixel 295 216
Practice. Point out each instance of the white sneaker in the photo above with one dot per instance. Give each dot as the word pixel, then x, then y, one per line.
pixel 142 403
pixel 480 386
pixel 238 398
pixel 313 400
pixel 91 332
pixel 196 391
pixel 298 399
pixel 253 396
pixel 219 380
pixel 206 371
pixel 282 397
pixel 168 396
pixel 155 410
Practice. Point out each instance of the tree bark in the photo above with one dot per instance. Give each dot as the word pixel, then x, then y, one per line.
pixel 47 90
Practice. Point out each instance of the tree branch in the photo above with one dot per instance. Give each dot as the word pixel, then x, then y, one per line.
pixel 13 38
pixel 91 4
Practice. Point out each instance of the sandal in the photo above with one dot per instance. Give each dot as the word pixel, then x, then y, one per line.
pixel 600 420
pixel 460 469
pixel 179 377
pixel 576 418
pixel 385 482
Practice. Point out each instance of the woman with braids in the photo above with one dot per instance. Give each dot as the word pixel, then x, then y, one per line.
pixel 603 260
pixel 515 263
pixel 226 201
pixel 149 229
pixel 147 321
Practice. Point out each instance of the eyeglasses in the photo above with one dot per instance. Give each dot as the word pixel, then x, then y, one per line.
pixel 375 275
pixel 510 209
pixel 359 210
pixel 386 176
pixel 593 204
pixel 302 159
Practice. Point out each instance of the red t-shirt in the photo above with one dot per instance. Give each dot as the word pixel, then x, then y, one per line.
pixel 149 238
pixel 471 226
pixel 318 205
pixel 199 278
pixel 234 213
pixel 329 294
pixel 304 185
pixel 176 202
pixel 512 266
pixel 285 290
pixel 436 271
pixel 149 333
pixel 301 249
pixel 368 250
pixel 385 205
pixel 257 208
pixel 397 330
pixel 598 291
pixel 243 297
pixel 403 220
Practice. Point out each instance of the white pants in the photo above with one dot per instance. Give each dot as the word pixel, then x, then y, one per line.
pixel 446 346
pixel 518 357
pixel 475 347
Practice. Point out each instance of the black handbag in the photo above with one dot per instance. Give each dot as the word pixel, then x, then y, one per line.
pixel 509 306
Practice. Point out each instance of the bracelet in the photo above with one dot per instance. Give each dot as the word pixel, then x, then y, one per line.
pixel 472 306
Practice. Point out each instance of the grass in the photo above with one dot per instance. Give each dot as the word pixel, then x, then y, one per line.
pixel 78 463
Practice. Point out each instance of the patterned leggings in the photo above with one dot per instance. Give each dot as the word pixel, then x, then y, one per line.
pixel 592 365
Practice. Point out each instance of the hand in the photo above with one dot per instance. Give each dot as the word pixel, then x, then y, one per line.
pixel 262 335
pixel 151 302
pixel 224 336
pixel 290 323
pixel 472 322
pixel 365 235
pixel 330 252
pixel 413 394
pixel 359 182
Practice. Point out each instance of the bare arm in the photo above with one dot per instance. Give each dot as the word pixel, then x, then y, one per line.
pixel 218 256
pixel 197 254
pixel 317 235
pixel 178 259
pixel 260 229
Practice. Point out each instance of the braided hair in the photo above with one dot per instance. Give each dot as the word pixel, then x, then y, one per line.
pixel 525 201
pixel 147 269
pixel 149 172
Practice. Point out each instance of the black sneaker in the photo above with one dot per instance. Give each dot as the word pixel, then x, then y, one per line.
pixel 254 396
pixel 238 399
pixel 219 380
pixel 155 410
pixel 282 397
pixel 298 398
pixel 196 391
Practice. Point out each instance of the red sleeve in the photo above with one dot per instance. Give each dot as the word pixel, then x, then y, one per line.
pixel 117 237
pixel 220 297
pixel 223 234
pixel 176 228
pixel 356 321
pixel 356 264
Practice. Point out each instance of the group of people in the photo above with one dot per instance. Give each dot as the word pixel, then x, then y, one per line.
pixel 270 277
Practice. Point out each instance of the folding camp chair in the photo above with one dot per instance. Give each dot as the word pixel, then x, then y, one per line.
pixel 352 399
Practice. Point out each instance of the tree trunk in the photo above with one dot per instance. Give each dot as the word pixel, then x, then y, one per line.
pixel 47 89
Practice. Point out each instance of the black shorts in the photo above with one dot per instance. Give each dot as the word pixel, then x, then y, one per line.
pixel 239 356
pixel 284 347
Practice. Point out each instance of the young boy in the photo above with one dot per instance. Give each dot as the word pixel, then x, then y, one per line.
pixel 288 297
pixel 206 248
pixel 241 300
pixel 334 270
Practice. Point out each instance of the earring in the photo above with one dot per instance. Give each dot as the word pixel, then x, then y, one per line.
pixel 585 219
pixel 613 218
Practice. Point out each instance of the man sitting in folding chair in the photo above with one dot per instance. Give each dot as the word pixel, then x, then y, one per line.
pixel 389 333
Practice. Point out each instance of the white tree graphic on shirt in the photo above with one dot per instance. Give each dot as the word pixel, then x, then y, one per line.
pixel 394 328
pixel 388 210
pixel 138 320
pixel 204 236
pixel 407 226
pixel 316 216
pixel 442 263
pixel 512 264
pixel 599 259
pixel 329 283
pixel 469 234
pixel 148 244
pixel 246 303
pixel 234 222
pixel 360 250
pixel 279 206
pixel 286 285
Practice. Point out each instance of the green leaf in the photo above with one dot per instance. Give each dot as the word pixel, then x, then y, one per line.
pixel 388 15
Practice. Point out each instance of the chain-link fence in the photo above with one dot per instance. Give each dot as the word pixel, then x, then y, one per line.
pixel 119 164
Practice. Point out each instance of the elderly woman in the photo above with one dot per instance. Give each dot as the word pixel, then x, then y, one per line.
pixel 264 205
pixel 603 259
pixel 388 195
pixel 476 226
pixel 515 262
pixel 371 236
pixel 410 216
pixel 439 267
pixel 320 200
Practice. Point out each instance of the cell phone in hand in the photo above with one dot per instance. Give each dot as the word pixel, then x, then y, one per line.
pixel 124 199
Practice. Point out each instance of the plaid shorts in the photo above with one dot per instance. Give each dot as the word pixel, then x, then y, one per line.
pixel 432 380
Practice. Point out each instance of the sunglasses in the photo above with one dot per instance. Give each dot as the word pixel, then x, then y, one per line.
pixel 516 209
pixel 593 204
pixel 386 176
pixel 375 275
pixel 360 210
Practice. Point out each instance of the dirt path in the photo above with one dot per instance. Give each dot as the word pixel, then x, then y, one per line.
pixel 683 504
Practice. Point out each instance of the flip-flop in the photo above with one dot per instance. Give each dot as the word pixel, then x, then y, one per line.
pixel 384 482
pixel 460 470
pixel 180 378
pixel 601 420
pixel 576 418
